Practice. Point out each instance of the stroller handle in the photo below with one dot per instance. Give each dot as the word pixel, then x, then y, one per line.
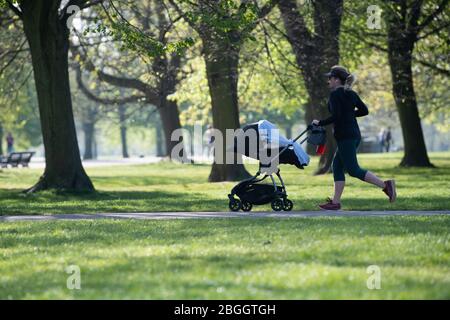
pixel 308 128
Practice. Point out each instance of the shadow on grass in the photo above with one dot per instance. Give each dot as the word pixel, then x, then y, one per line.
pixel 183 269
pixel 14 202
pixel 413 171
pixel 137 181
pixel 254 232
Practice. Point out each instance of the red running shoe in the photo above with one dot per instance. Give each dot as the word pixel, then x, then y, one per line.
pixel 329 205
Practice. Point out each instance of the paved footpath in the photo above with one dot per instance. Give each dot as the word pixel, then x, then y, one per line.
pixel 211 215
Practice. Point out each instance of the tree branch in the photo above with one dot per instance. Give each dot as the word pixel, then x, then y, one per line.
pixel 422 62
pixel 434 31
pixel 263 12
pixel 82 4
pixel 16 53
pixel 14 8
pixel 148 91
pixel 90 95
pixel 433 15
pixel 266 9
pixel 183 14
pixel 274 26
pixel 277 48
pixel 444 72
pixel 273 68
pixel 415 12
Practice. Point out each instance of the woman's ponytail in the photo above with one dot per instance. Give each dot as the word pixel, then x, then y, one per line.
pixel 349 81
pixel 340 72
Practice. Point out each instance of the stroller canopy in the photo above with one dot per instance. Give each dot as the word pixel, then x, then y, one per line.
pixel 270 145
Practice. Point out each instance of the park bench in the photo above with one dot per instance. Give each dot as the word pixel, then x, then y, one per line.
pixel 15 159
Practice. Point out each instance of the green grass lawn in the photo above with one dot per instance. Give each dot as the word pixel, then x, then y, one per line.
pixel 178 187
pixel 303 258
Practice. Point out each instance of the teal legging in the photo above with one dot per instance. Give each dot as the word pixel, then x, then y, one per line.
pixel 345 160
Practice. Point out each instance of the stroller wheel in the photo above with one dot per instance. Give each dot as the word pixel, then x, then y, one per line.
pixel 277 204
pixel 234 205
pixel 246 206
pixel 287 205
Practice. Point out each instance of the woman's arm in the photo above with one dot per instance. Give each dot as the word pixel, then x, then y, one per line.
pixel 361 108
pixel 326 121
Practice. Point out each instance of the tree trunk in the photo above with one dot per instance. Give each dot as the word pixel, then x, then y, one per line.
pixel 90 116
pixel 288 129
pixel 123 131
pixel 400 48
pixel 88 128
pixel 170 120
pixel 160 152
pixel 94 147
pixel 47 36
pixel 123 139
pixel 222 73
pixel 315 54
pixel 167 67
pixel 1 139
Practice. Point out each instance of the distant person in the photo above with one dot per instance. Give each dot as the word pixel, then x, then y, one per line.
pixel 345 105
pixel 10 143
pixel 381 135
pixel 209 140
pixel 388 139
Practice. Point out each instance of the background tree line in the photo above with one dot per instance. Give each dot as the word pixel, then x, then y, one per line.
pixel 224 62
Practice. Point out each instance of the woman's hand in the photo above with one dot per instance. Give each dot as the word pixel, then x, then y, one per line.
pixel 315 122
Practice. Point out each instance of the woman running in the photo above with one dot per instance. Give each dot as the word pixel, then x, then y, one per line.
pixel 345 105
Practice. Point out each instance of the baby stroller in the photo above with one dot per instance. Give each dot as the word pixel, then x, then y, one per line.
pixel 270 149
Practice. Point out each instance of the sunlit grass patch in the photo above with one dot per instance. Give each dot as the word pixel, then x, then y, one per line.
pixel 314 258
pixel 182 187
